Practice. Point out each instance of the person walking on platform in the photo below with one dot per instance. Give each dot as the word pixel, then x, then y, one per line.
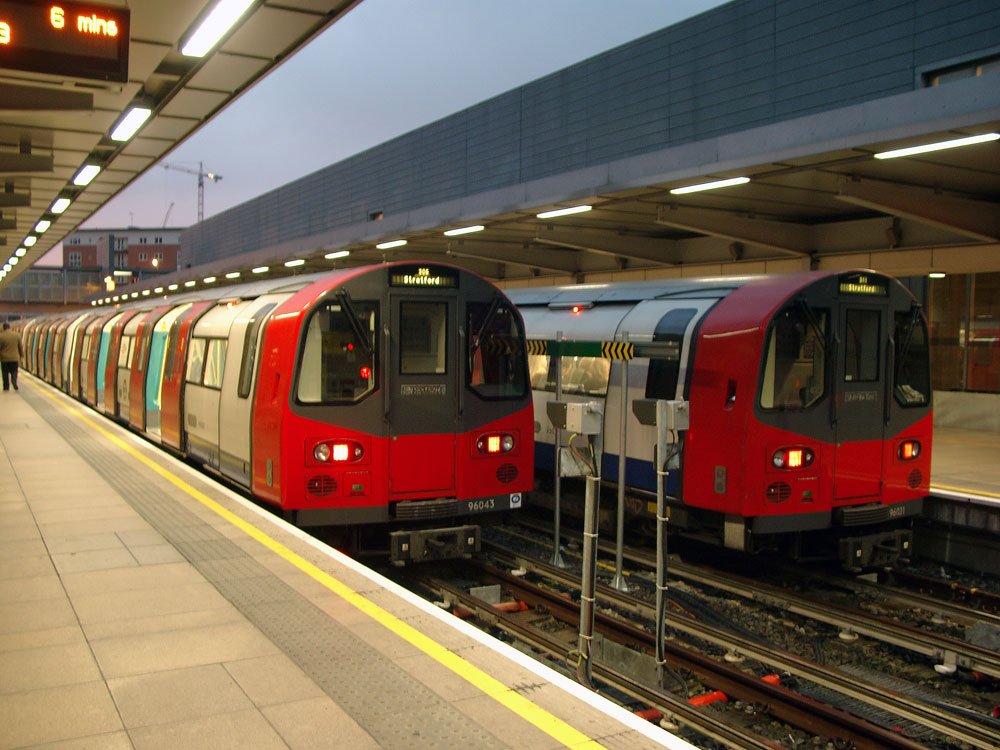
pixel 11 350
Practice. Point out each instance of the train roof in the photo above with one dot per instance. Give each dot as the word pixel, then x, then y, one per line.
pixel 715 287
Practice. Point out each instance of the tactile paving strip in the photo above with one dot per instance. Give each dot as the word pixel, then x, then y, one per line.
pixel 395 709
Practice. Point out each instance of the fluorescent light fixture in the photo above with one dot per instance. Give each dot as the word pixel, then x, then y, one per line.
pixel 172 288
pixel 713 185
pixel 122 273
pixel 233 275
pixel 135 295
pixel 20 252
pixel 43 226
pixel 29 241
pixel 7 267
pixel 158 290
pixel 939 146
pixel 464 230
pixel 93 303
pixel 86 174
pixel 222 18
pixel 337 254
pixel 209 279
pixel 135 117
pixel 145 292
pixel 60 205
pixel 390 244
pixel 190 283
pixel 563 212
pixel 261 269
pixel 115 298
pixel 295 262
pixel 13 260
pixel 936 275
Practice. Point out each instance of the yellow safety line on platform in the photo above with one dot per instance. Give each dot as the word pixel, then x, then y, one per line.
pixel 965 490
pixel 539 717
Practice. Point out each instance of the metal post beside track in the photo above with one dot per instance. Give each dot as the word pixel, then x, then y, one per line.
pixel 619 580
pixel 661 536
pixel 588 586
pixel 557 558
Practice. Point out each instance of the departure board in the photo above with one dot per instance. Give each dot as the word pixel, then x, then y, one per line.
pixel 71 40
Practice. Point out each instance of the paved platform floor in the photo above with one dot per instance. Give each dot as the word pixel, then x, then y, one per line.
pixel 143 607
pixel 968 460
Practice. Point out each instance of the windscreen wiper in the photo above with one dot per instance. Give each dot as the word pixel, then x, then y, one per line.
pixel 352 317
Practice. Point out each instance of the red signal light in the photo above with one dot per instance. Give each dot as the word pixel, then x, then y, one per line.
pixel 576 309
pixel 365 373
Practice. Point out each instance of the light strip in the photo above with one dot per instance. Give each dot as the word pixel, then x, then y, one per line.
pixel 158 290
pixel 222 18
pixel 294 263
pixel 390 244
pixel 261 269
pixel 129 125
pixel 464 230
pixel 190 283
pixel 563 212
pixel 936 275
pixel 939 146
pixel 233 275
pixel 145 292
pixel 29 241
pixel 43 226
pixel 86 175
pixel 337 254
pixel 715 184
pixel 20 252
pixel 13 260
pixel 60 205
pixel 172 288
pixel 209 279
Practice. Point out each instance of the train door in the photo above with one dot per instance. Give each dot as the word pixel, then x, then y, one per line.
pixel 860 388
pixel 102 359
pixel 153 387
pixel 422 372
pixel 235 409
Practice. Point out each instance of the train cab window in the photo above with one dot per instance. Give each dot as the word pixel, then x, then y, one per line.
pixel 861 346
pixel 663 374
pixel 912 380
pixel 794 359
pixel 215 362
pixel 496 351
pixel 338 362
pixel 423 338
pixel 195 360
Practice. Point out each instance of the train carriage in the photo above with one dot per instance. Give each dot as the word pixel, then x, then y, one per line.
pixel 392 399
pixel 809 403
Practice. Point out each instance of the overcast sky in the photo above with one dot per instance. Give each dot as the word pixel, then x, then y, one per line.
pixel 386 68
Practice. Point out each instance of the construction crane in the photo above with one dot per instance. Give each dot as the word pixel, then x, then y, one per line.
pixel 202 174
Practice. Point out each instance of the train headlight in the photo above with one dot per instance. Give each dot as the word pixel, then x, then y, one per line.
pixel 495 443
pixel 792 458
pixel 909 450
pixel 338 452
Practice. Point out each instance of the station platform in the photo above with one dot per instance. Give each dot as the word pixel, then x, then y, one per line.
pixel 143 606
pixel 966 462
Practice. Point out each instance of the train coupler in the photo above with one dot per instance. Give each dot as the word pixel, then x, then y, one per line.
pixel 422 545
pixel 876 550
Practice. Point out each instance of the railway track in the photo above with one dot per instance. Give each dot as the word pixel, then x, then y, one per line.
pixel 863 710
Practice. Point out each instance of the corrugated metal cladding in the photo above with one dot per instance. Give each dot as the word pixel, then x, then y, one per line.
pixel 745 64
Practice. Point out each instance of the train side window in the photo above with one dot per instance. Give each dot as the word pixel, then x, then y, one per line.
pixel 215 362
pixel 124 350
pixel 335 365
pixel 663 374
pixel 794 373
pixel 249 361
pixel 538 372
pixel 173 342
pixel 496 352
pixel 195 360
pixel 861 346
pixel 586 376
pixel 423 338
pixel 912 380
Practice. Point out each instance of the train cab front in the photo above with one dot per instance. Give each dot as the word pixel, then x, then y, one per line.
pixel 843 417
pixel 411 413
